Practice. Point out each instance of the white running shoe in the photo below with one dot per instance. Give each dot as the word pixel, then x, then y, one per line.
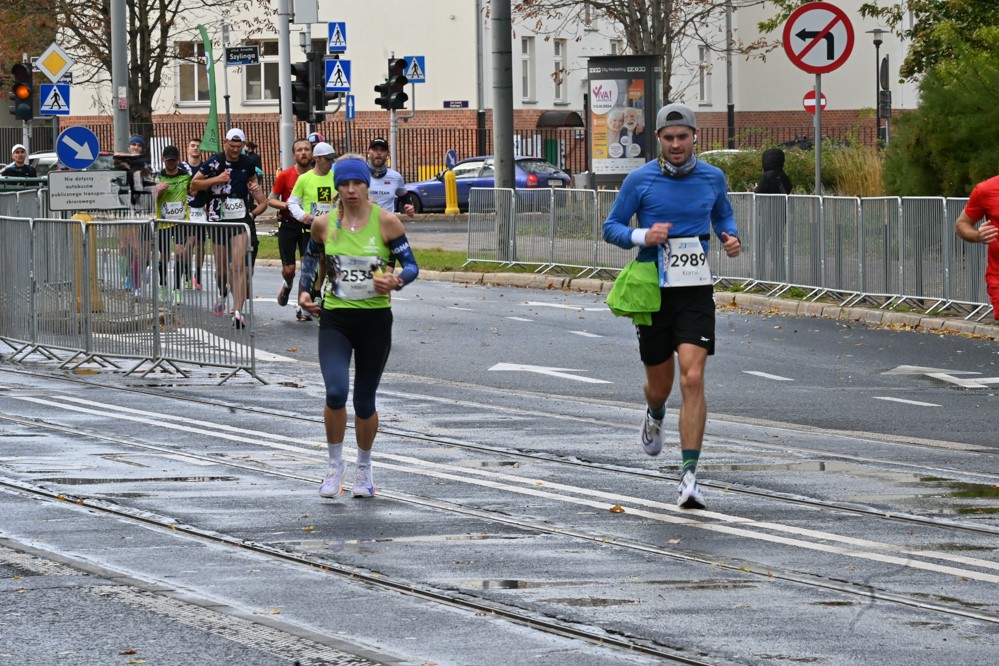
pixel 689 493
pixel 652 435
pixel 332 486
pixel 238 320
pixel 364 485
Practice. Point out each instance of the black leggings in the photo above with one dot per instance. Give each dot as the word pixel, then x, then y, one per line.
pixel 366 333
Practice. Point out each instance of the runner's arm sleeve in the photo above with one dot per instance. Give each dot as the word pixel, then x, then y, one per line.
pixel 401 250
pixel 295 208
pixel 310 266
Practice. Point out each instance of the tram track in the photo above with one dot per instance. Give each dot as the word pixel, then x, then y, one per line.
pixel 808 580
pixel 848 508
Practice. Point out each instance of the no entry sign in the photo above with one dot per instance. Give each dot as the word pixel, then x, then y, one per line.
pixel 809 102
pixel 818 37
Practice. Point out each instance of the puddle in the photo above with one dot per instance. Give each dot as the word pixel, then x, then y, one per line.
pixel 178 479
pixel 590 601
pixel 835 603
pixel 498 584
pixel 491 463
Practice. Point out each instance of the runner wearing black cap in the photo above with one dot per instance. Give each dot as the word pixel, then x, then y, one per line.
pixel 386 183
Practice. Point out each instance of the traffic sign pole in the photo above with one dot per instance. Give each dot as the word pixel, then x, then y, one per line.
pixel 818 136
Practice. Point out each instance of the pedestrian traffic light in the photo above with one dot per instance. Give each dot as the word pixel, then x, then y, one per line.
pixel 301 91
pixel 22 93
pixel 397 83
pixel 384 93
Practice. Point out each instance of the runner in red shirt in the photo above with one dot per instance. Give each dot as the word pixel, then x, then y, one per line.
pixel 293 236
pixel 984 203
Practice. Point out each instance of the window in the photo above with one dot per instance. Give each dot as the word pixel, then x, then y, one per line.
pixel 560 72
pixel 260 82
pixel 703 74
pixel 467 169
pixel 192 75
pixel 527 69
pixel 617 47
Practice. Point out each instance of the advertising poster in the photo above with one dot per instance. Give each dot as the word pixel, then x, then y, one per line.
pixel 621 135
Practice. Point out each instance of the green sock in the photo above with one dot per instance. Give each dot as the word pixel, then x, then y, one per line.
pixel 689 457
pixel 658 414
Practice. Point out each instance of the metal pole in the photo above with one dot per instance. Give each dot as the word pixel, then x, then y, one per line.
pixel 877 92
pixel 225 73
pixel 119 74
pixel 818 134
pixel 502 94
pixel 286 132
pixel 728 73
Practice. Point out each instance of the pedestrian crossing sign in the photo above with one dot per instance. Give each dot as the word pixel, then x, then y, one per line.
pixel 337 41
pixel 337 76
pixel 416 70
pixel 55 99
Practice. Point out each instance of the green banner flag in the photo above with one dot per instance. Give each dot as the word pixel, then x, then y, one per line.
pixel 210 141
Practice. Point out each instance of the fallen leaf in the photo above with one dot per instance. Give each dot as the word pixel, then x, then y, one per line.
pixel 128 652
pixel 616 509
pixel 309 528
pixel 293 349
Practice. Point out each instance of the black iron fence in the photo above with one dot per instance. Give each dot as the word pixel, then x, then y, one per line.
pixel 420 150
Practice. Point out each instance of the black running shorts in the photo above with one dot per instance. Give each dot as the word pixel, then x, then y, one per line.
pixel 292 240
pixel 687 315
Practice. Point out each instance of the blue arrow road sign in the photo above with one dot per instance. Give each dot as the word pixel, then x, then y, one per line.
pixel 55 99
pixel 416 69
pixel 350 107
pixel 337 76
pixel 450 159
pixel 77 147
pixel 337 40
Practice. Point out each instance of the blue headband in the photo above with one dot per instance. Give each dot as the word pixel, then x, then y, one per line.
pixel 351 169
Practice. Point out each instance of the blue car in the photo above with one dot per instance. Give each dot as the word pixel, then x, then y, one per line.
pixel 529 172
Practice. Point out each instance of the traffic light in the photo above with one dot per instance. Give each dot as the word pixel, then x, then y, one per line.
pixel 384 93
pixel 397 83
pixel 22 93
pixel 320 96
pixel 301 91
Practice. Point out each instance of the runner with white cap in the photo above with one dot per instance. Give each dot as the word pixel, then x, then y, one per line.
pixel 231 182
pixel 313 195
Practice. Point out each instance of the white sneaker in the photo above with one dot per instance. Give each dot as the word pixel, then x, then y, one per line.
pixel 689 493
pixel 332 486
pixel 652 435
pixel 364 485
pixel 238 320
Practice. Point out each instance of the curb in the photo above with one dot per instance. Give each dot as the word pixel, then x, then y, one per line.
pixel 741 300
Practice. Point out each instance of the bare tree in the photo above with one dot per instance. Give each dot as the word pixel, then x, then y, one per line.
pixel 154 26
pixel 648 27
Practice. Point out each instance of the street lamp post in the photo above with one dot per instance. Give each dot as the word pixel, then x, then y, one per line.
pixel 878 33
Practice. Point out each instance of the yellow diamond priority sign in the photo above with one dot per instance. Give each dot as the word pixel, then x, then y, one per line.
pixel 54 62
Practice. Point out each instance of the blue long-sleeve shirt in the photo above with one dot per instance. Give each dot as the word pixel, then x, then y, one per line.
pixel 694 204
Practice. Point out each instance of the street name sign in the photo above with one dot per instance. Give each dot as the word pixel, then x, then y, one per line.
pixel 818 37
pixel 241 55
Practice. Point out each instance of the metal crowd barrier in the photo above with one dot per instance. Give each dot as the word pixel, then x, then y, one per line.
pixel 145 290
pixel 887 251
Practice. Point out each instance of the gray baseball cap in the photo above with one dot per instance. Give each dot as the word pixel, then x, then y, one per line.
pixel 675 114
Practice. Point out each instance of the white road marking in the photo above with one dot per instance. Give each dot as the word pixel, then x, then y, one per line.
pixel 945 375
pixel 563 306
pixel 658 511
pixel 455 307
pixel 767 375
pixel 586 334
pixel 519 319
pixel 215 342
pixel 909 402
pixel 562 373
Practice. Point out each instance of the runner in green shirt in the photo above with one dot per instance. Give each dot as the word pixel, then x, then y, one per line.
pixel 314 193
pixel 173 184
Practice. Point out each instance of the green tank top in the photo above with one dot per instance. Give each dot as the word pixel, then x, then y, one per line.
pixel 352 257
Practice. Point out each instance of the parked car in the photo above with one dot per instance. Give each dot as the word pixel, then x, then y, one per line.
pixel 529 172
pixel 49 161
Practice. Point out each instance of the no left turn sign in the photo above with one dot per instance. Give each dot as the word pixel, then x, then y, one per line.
pixel 818 37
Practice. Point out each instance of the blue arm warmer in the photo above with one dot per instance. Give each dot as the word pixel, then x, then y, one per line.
pixel 400 249
pixel 310 266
